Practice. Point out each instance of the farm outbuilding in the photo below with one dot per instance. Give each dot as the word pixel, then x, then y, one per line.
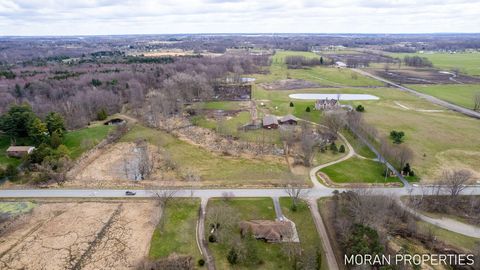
pixel 19 151
pixel 288 120
pixel 270 122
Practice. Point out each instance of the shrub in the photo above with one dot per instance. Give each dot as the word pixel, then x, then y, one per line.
pixel 291 104
pixel 397 136
pixel 102 115
pixel 201 262
pixel 212 238
pixel 360 108
pixel 342 149
pixel 232 256
pixel 333 147
pixel 307 109
pixel 11 172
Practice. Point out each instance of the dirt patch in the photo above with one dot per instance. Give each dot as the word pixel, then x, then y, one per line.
pixel 117 165
pixel 90 235
pixel 423 76
pixel 290 84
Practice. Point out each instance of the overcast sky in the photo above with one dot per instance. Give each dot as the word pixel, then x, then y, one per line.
pixel 104 17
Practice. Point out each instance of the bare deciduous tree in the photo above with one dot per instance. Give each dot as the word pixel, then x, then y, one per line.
pixel 402 154
pixel 455 181
pixel 146 160
pixel 222 221
pixel 335 121
pixel 295 189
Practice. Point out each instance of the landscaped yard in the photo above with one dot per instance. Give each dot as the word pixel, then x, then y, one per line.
pixel 75 140
pixel 357 170
pixel 438 139
pixel 460 94
pixel 270 254
pixel 307 232
pixel 214 169
pixel 176 232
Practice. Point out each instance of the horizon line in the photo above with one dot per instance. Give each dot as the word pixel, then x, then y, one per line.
pixel 243 33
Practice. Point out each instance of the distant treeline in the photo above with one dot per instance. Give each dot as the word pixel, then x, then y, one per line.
pixel 302 61
pixel 417 61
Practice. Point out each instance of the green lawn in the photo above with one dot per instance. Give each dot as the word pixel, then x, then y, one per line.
pixel 177 232
pixel 357 170
pixel 320 74
pixel 247 209
pixel 467 63
pixel 73 139
pixel 307 232
pixel 460 94
pixel 359 147
pixel 214 169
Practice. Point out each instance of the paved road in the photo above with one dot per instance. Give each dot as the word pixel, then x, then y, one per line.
pixel 313 171
pixel 446 223
pixel 311 193
pixel 429 98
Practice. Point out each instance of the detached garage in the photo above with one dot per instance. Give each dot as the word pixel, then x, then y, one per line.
pixel 19 151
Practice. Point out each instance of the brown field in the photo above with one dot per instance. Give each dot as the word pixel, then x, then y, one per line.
pixel 83 235
pixel 108 169
pixel 422 76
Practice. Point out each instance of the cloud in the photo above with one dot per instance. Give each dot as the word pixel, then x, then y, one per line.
pixel 59 17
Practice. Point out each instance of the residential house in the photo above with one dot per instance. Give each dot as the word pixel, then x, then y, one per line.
pixel 267 230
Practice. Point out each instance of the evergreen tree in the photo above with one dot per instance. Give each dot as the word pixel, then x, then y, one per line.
pixel 291 104
pixel 55 139
pixel 342 149
pixel 102 114
pixel 307 109
pixel 55 123
pixel 15 122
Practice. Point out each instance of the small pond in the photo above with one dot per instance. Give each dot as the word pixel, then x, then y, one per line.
pixel 334 96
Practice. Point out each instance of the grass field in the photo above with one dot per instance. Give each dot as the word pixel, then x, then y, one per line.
pixel 319 74
pixel 247 209
pixel 73 139
pixel 176 233
pixel 307 232
pixel 357 170
pixel 214 169
pixel 359 147
pixel 467 63
pixel 460 94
